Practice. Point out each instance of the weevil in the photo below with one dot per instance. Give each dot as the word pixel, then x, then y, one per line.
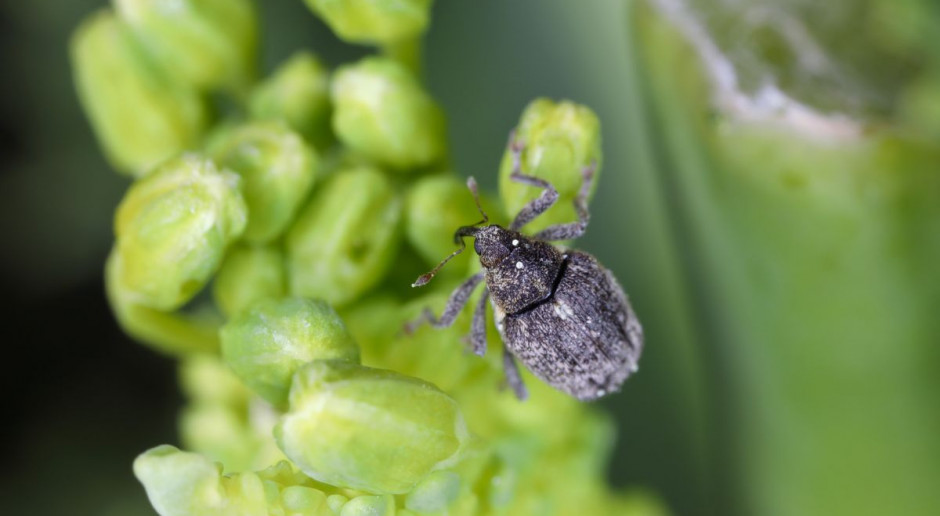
pixel 559 312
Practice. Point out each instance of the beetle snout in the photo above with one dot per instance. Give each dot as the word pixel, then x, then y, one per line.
pixel 490 251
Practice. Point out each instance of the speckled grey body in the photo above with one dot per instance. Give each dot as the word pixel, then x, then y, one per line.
pixel 583 339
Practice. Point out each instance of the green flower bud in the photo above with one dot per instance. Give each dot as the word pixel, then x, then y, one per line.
pixel 336 502
pixel 435 493
pixel 139 115
pixel 382 112
pixel 205 378
pixel 302 500
pixel 277 168
pixel 182 483
pixel 345 238
pixel 382 505
pixel 265 344
pixel 371 322
pixel 434 208
pixel 290 492
pixel 220 433
pixel 172 229
pixel 170 332
pixel 298 92
pixel 188 484
pixel 249 274
pixel 368 429
pixel 440 355
pixel 178 483
pixel 560 140
pixel 205 43
pixel 282 475
pixel 223 420
pixel 373 21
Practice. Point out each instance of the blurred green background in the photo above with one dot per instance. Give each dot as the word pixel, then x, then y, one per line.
pixel 783 260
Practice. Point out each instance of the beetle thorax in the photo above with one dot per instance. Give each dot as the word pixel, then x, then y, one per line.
pixel 520 271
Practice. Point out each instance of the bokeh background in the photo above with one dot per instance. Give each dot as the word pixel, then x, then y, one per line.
pixel 787 278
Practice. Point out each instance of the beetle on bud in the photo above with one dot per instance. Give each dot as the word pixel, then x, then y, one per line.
pixel 560 312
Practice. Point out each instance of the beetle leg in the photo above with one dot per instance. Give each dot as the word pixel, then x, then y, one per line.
pixel 536 206
pixel 456 302
pixel 478 327
pixel 513 378
pixel 574 230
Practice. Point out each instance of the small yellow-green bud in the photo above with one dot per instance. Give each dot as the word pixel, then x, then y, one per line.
pixel 287 493
pixel 205 378
pixel 381 505
pixel 244 494
pixel 172 229
pixel 434 208
pixel 285 474
pixel 220 433
pixel 267 343
pixel 560 140
pixel 139 115
pixel 277 169
pixel 435 493
pixel 298 93
pixel 368 429
pixel 420 353
pixel 223 419
pixel 336 502
pixel 249 274
pixel 382 112
pixel 203 43
pixel 178 483
pixel 303 500
pixel 188 484
pixel 180 333
pixel 371 322
pixel 373 21
pixel 343 241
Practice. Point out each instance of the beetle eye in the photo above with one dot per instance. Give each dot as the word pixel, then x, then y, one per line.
pixel 491 253
pixel 488 258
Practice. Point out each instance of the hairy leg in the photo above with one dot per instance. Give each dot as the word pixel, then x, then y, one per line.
pixel 454 305
pixel 540 204
pixel 513 378
pixel 574 230
pixel 478 327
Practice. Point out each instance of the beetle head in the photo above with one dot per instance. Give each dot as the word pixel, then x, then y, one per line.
pixel 494 243
pixel 465 231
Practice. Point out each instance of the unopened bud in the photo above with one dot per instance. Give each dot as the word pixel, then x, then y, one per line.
pixel 559 141
pixel 266 344
pixel 139 114
pixel 353 426
pixel 382 112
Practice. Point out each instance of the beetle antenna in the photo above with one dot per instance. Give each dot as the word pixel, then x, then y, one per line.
pixel 463 231
pixel 472 185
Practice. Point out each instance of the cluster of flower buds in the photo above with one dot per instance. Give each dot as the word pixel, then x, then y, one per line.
pixel 304 218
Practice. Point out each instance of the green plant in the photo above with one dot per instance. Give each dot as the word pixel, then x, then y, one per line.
pixel 306 213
